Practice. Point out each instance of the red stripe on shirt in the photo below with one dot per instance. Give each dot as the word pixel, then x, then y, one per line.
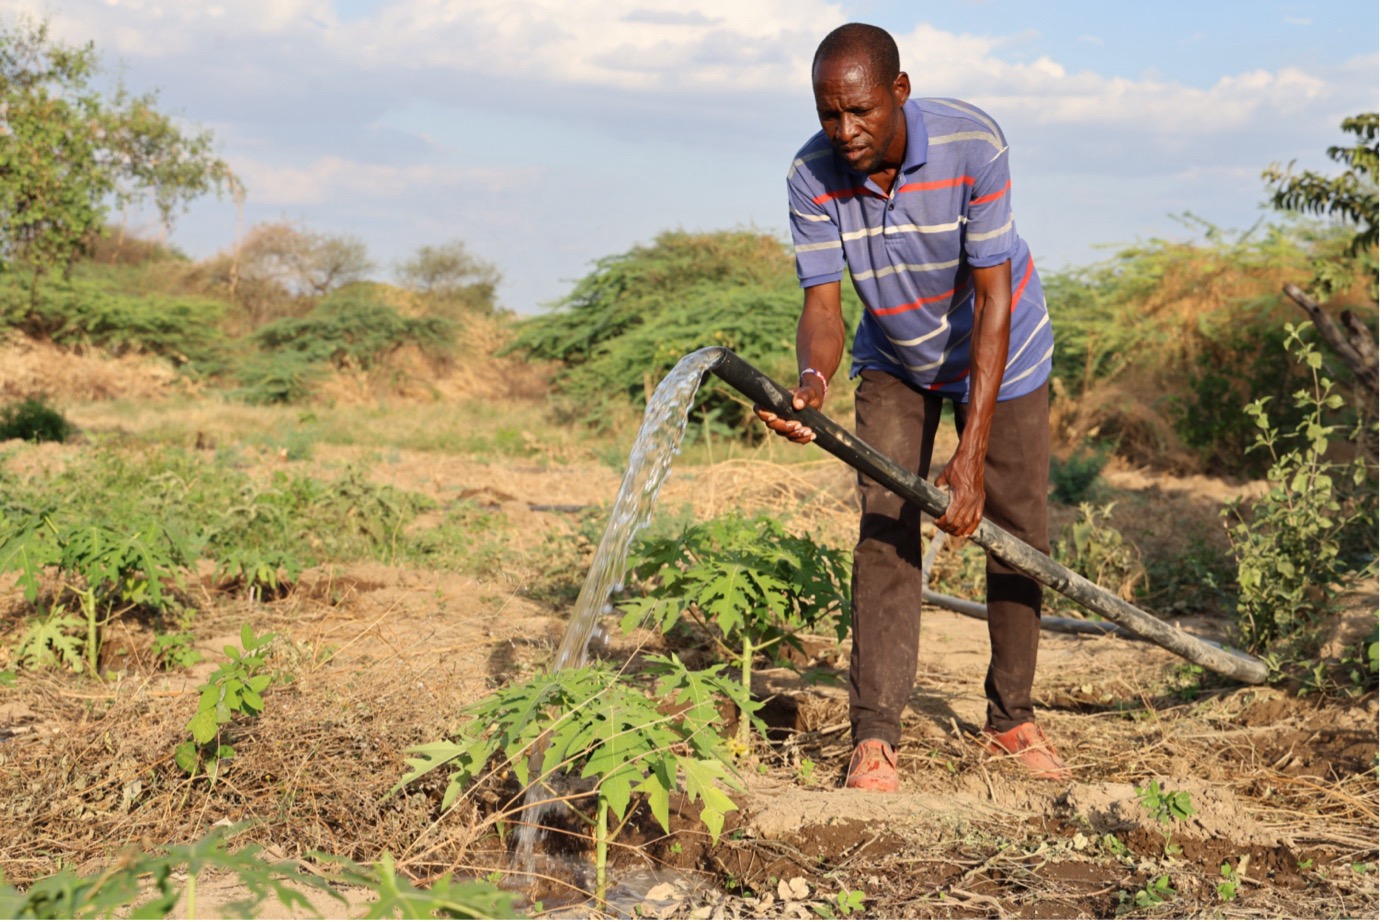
pixel 1014 300
pixel 1019 291
pixel 842 193
pixel 992 196
pixel 911 305
pixel 937 184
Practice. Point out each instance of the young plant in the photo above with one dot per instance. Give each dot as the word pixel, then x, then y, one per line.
pixel 109 568
pixel 1096 550
pixel 1229 886
pixel 175 650
pixel 51 640
pixel 748 585
pixel 1288 549
pixel 234 688
pixel 1165 808
pixel 257 571
pixel 593 723
pixel 1152 895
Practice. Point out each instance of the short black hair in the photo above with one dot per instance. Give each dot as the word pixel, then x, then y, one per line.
pixel 872 43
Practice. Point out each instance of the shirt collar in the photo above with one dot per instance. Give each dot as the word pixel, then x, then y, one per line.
pixel 915 153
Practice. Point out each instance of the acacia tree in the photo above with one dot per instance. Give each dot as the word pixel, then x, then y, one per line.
pixel 68 153
pixel 451 280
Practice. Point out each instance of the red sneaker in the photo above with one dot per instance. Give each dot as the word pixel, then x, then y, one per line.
pixel 1031 748
pixel 874 767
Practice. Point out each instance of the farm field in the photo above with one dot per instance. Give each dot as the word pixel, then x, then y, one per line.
pixel 475 520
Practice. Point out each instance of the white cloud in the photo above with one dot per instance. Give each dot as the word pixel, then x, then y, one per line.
pixel 337 179
pixel 1297 20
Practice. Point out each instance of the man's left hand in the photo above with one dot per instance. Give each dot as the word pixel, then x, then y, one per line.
pixel 964 477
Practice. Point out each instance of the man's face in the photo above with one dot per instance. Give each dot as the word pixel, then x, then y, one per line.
pixel 861 115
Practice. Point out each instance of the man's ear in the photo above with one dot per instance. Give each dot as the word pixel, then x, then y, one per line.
pixel 902 89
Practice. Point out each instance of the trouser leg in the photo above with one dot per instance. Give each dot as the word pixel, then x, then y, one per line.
pixel 886 582
pixel 1016 490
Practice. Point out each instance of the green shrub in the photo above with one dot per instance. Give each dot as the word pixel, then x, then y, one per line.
pixel 33 421
pixel 278 377
pixel 351 328
pixel 1236 364
pixel 1074 476
pixel 1288 547
pixel 86 310
pixel 625 325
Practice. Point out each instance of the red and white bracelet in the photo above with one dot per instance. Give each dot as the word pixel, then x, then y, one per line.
pixel 820 376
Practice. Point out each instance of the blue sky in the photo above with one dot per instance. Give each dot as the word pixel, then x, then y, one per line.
pixel 547 134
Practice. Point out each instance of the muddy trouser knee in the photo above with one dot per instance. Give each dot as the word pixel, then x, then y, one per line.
pixel 1016 499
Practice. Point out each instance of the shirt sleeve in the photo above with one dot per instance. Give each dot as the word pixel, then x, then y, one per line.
pixel 990 237
pixel 816 235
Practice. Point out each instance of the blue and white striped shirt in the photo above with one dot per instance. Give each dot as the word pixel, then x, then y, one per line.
pixel 910 252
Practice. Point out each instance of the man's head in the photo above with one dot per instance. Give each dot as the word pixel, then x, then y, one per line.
pixel 860 93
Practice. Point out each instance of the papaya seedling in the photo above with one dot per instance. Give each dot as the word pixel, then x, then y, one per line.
pixel 108 568
pixel 596 724
pixel 748 585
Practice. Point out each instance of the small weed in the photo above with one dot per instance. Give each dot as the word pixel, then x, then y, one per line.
pixel 807 770
pixel 1166 808
pixel 175 650
pixel 1229 886
pixel 1153 894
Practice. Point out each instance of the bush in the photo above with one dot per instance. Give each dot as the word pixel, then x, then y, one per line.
pixel 625 325
pixel 1288 548
pixel 89 310
pixel 1158 348
pixel 353 329
pixel 33 421
pixel 1074 476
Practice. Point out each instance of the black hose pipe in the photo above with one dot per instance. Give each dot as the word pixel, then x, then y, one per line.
pixel 767 393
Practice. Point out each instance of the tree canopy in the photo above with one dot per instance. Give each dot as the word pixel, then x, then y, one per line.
pixel 68 153
pixel 1351 196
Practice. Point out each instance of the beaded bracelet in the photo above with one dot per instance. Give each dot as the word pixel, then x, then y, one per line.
pixel 813 371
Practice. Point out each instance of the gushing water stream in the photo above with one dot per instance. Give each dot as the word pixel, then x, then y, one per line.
pixel 659 439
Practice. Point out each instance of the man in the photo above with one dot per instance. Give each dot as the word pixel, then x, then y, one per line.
pixel 914 198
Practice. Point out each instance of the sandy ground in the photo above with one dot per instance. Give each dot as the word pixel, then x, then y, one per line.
pixel 380 658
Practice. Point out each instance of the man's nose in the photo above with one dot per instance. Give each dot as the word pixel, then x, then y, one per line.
pixel 847 129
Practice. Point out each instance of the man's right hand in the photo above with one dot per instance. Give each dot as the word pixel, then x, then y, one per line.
pixel 810 393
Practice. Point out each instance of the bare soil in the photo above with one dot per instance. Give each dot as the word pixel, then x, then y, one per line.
pixel 378 658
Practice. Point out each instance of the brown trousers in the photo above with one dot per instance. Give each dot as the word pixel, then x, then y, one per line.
pixel 901 421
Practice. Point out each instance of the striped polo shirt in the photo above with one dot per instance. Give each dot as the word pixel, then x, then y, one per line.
pixel 910 252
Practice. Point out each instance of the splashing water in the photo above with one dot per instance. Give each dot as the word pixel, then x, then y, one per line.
pixel 659 439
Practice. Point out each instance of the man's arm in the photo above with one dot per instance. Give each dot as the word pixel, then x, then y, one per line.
pixel 964 475
pixel 821 339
